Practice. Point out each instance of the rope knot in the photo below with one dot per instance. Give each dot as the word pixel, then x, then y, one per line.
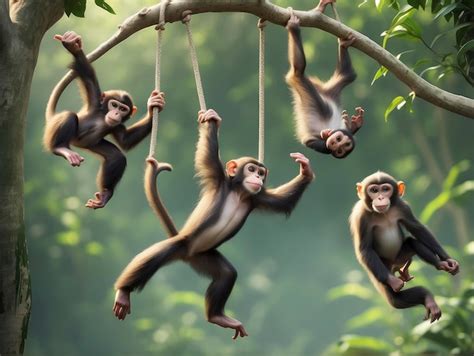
pixel 186 16
pixel 261 23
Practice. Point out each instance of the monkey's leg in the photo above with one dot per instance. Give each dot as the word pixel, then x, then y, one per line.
pixel 110 172
pixel 412 297
pixel 223 274
pixel 296 77
pixel 344 73
pixel 143 266
pixel 403 261
pixel 59 132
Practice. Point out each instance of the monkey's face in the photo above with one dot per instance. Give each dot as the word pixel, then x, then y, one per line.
pixel 117 112
pixel 380 195
pixel 254 176
pixel 340 144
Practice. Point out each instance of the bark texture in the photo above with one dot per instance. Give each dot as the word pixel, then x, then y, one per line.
pixel 22 26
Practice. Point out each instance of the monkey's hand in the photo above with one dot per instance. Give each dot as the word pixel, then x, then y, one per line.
pixel 450 266
pixel 293 22
pixel 395 283
pixel 325 134
pixel 71 41
pixel 305 167
pixel 207 116
pixel 348 41
pixel 156 100
pixel 122 305
pixel 227 322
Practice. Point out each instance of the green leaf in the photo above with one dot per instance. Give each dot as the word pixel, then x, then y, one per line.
pixel 435 6
pixel 350 290
pixel 363 343
pixel 468 46
pixel 399 100
pixel 430 69
pixel 454 173
pixel 381 72
pixel 75 7
pixel 367 318
pixel 379 5
pixel 102 4
pixel 445 10
pixel 417 3
pixel 456 28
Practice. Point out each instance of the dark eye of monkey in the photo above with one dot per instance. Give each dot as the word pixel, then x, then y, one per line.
pixel 261 172
pixel 114 104
pixel 251 168
pixel 374 190
pixel 338 138
pixel 385 188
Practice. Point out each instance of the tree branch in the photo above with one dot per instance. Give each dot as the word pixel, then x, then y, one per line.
pixel 278 15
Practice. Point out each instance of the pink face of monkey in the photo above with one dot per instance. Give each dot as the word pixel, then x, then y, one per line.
pixel 117 112
pixel 253 178
pixel 380 195
pixel 339 144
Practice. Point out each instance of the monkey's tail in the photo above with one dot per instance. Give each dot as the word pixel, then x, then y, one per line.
pixel 54 98
pixel 153 197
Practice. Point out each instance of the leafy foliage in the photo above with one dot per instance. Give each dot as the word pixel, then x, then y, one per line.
pixel 78 7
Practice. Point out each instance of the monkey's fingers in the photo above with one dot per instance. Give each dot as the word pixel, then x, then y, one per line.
pixel 236 334
pixel 58 37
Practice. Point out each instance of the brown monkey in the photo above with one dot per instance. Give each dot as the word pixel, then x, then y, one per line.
pixel 376 224
pixel 228 196
pixel 320 124
pixel 101 115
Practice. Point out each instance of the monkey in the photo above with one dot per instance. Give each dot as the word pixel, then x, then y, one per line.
pixel 102 114
pixel 228 196
pixel 320 124
pixel 376 223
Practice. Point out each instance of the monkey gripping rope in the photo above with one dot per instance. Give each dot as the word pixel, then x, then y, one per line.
pixel 160 28
pixel 192 51
pixel 261 91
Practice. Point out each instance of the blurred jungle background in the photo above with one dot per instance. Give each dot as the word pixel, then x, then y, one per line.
pixel 300 289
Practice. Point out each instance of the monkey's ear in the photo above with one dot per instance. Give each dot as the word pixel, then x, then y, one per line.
pixel 401 188
pixel 231 168
pixel 102 97
pixel 360 193
pixel 134 110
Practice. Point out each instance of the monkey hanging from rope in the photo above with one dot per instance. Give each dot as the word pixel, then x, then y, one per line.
pixel 228 196
pixel 103 113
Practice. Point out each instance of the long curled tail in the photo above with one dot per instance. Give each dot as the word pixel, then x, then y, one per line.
pixel 151 191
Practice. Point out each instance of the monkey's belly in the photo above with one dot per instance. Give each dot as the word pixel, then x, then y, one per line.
pixel 388 243
pixel 231 217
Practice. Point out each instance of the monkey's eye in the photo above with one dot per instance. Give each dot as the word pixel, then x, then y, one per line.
pixel 251 169
pixel 114 104
pixel 339 138
pixel 261 172
pixel 348 144
pixel 373 190
pixel 123 109
pixel 385 188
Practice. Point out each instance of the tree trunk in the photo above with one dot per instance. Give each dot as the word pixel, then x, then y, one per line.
pixel 21 29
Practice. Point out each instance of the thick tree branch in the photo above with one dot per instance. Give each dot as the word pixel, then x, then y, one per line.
pixel 278 15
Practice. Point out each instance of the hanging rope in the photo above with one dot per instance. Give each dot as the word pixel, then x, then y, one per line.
pixel 192 50
pixel 261 91
pixel 335 12
pixel 155 120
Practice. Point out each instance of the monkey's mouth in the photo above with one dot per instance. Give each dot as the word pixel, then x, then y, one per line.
pixel 380 208
pixel 111 121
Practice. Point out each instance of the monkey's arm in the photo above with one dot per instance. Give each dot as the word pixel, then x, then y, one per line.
pixel 318 144
pixel 127 138
pixel 284 198
pixel 422 234
pixel 368 257
pixel 207 162
pixel 90 88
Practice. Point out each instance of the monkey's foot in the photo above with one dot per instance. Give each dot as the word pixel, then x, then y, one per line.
pixel 122 305
pixel 74 158
pixel 323 3
pixel 101 200
pixel 450 266
pixel 395 283
pixel 226 322
pixel 358 118
pixel 433 312
pixel 405 275
pixel 293 22
pixel 348 41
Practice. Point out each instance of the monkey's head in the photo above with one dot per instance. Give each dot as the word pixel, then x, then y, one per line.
pixel 379 191
pixel 117 106
pixel 247 172
pixel 341 142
